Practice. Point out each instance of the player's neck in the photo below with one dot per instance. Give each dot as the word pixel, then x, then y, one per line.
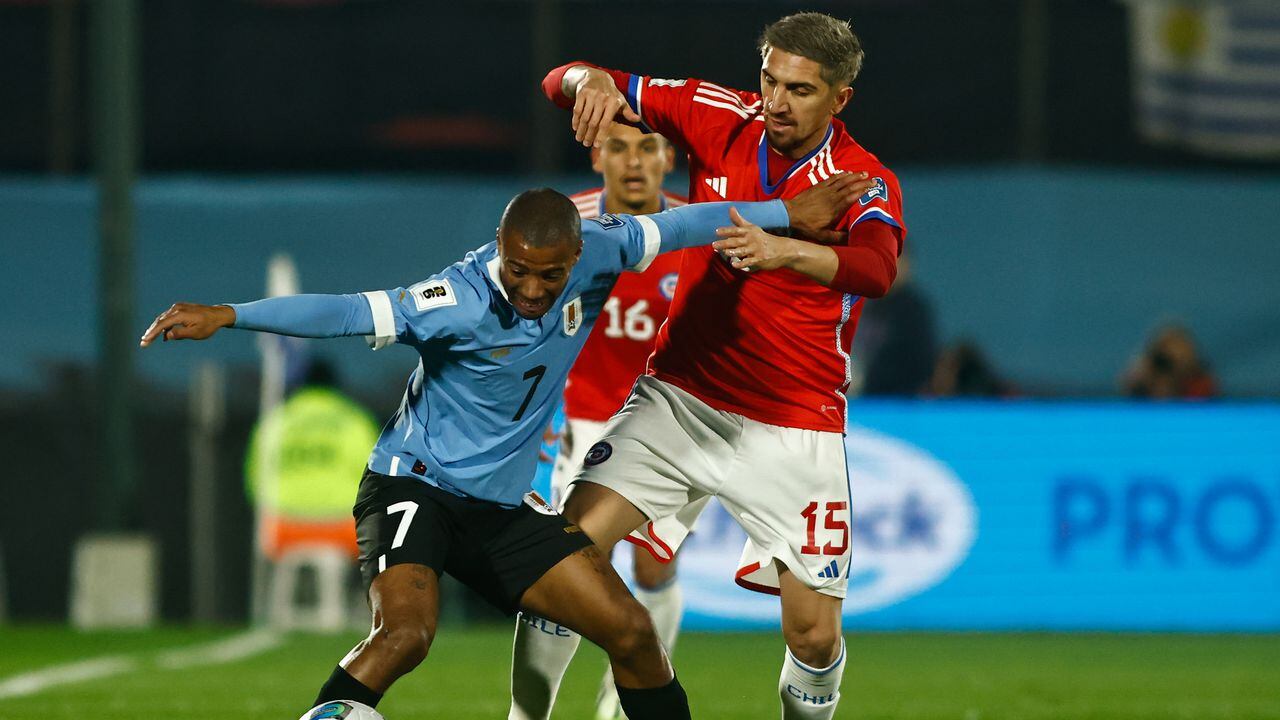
pixel 651 205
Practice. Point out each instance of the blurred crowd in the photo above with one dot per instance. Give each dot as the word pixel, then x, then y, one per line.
pixel 897 354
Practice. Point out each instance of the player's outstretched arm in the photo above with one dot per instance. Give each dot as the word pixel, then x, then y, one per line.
pixel 313 316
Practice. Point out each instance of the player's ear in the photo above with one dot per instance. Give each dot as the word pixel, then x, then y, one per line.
pixel 595 160
pixel 842 100
pixel 671 157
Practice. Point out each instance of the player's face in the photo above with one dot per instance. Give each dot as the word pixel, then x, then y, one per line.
pixel 534 276
pixel 633 164
pixel 798 103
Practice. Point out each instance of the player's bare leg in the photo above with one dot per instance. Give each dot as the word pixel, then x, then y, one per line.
pixel 657 589
pixel 405 600
pixel 543 648
pixel 814 663
pixel 584 593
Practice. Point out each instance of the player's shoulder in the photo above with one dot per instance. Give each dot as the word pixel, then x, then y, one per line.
pixel 460 292
pixel 850 156
pixel 588 202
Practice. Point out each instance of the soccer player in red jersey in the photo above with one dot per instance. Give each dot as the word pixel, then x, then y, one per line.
pixel 745 393
pixel 633 164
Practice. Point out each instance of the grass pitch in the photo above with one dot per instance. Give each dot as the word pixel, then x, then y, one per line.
pixel 889 676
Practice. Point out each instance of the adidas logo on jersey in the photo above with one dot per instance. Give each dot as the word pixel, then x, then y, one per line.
pixel 831 571
pixel 720 185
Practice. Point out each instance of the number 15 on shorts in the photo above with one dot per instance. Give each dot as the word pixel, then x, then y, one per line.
pixel 835 528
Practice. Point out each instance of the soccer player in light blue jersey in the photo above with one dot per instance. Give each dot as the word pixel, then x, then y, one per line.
pixel 447 485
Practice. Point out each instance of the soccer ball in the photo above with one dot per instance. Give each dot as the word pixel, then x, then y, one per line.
pixel 342 710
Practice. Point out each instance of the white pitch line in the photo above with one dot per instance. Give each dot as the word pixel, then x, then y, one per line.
pixel 237 647
pixel 233 648
pixel 85 670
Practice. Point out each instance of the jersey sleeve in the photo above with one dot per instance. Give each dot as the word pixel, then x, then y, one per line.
pixel 631 242
pixel 440 308
pixel 684 110
pixel 882 203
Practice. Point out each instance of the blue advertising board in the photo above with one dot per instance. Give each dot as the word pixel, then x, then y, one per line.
pixel 1036 515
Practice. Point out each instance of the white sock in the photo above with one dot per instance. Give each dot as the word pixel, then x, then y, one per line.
pixel 666 607
pixel 539 658
pixel 810 693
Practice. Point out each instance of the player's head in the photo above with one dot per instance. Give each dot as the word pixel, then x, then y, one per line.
pixel 633 164
pixel 809 63
pixel 539 241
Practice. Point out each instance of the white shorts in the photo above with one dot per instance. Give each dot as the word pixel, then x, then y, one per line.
pixel 579 437
pixel 788 488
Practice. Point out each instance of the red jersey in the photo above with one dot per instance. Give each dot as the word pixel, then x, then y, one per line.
pixel 772 346
pixel 622 340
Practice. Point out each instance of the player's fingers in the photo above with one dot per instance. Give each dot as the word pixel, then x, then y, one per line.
pixel 597 111
pixel 732 232
pixel 615 106
pixel 630 115
pixel 579 106
pixel 737 218
pixel 158 326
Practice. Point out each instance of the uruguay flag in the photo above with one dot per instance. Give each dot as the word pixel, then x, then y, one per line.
pixel 1207 75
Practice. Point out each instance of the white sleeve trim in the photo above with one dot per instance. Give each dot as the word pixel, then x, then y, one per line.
pixel 652 243
pixel 384 320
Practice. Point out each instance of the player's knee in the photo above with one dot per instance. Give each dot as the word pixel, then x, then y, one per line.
pixel 814 645
pixel 633 635
pixel 405 644
pixel 652 575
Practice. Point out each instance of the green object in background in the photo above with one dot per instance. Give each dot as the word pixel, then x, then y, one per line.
pixel 316 445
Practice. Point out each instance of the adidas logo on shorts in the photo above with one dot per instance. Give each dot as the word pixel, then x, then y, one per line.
pixel 831 571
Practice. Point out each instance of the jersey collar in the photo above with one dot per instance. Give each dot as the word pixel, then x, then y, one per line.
pixel 762 159
pixel 493 266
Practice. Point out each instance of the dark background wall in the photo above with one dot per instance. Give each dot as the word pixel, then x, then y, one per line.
pixel 395 85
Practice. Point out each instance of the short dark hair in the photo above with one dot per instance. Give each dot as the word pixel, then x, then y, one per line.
pixel 544 217
pixel 821 38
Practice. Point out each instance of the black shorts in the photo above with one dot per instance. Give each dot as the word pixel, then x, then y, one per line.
pixel 495 551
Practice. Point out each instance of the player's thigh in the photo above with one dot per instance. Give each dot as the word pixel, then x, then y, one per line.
pixel 602 513
pixel 810 620
pixel 406 595
pixel 791 496
pixel 663 450
pixel 583 592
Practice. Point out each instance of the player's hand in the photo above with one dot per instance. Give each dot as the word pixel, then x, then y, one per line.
pixel 596 104
pixel 749 248
pixel 814 211
pixel 188 321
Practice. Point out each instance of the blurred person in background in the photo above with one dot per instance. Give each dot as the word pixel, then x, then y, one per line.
pixel 301 469
pixel 897 340
pixel 963 370
pixel 633 164
pixel 1170 367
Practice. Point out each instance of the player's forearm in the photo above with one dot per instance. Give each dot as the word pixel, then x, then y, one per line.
pixel 561 84
pixel 693 225
pixel 313 316
pixel 867 269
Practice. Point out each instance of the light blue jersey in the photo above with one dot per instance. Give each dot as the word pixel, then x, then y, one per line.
pixel 488 381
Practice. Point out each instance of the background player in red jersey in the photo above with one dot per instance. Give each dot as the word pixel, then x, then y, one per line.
pixel 633 164
pixel 745 396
